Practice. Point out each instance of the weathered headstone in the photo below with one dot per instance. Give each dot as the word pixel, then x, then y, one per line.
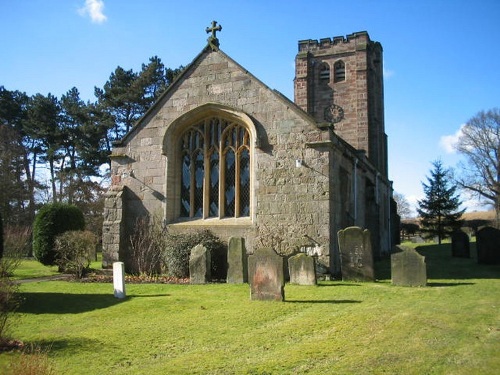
pixel 266 276
pixel 119 279
pixel 408 267
pixel 356 257
pixel 488 245
pixel 302 269
pixel 200 265
pixel 460 244
pixel 417 239
pixel 237 261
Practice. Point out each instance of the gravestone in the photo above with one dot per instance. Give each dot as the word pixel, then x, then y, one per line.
pixel 266 276
pixel 200 265
pixel 460 245
pixel 356 257
pixel 302 269
pixel 488 245
pixel 119 279
pixel 237 261
pixel 408 267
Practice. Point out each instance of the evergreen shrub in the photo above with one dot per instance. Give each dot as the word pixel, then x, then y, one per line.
pixel 178 248
pixel 52 220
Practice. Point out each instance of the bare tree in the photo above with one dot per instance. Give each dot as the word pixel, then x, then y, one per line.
pixel 404 209
pixel 479 142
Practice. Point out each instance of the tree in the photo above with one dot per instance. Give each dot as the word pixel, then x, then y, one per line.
pixel 43 125
pixel 439 210
pixel 479 142
pixel 404 209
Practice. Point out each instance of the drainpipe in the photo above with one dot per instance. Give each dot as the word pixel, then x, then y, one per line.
pixel 355 187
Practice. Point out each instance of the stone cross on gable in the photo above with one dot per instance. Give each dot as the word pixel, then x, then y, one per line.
pixel 213 42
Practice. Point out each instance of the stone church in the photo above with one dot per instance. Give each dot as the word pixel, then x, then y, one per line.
pixel 222 151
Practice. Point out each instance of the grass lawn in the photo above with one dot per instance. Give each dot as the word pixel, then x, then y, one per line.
pixel 450 327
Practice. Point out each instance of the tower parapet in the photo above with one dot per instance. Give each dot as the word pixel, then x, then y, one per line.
pixel 340 80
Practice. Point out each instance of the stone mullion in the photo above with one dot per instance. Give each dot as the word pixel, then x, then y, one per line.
pixel 192 184
pixel 222 179
pixel 206 169
pixel 237 187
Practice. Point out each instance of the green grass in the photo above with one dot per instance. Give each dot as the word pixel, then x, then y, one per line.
pixel 31 269
pixel 450 327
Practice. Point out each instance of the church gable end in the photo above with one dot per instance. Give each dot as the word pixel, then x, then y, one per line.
pixel 222 151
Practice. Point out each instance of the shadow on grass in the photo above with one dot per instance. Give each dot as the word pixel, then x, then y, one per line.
pixel 65 303
pixel 448 284
pixel 441 265
pixel 77 344
pixel 332 301
pixel 337 284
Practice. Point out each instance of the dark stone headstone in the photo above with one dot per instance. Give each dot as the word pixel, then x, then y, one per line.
pixel 460 245
pixel 237 261
pixel 200 265
pixel 408 267
pixel 266 276
pixel 488 246
pixel 356 257
pixel 302 269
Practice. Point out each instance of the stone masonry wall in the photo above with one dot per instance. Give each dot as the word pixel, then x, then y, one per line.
pixel 290 205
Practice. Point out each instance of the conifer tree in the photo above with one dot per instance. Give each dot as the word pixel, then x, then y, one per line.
pixel 439 211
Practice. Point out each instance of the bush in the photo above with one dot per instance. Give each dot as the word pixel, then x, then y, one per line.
pixel 74 251
pixel 1 236
pixel 52 220
pixel 178 248
pixel 32 360
pixel 9 300
pixel 147 244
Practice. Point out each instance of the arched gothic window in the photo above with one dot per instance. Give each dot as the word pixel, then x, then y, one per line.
pixel 339 71
pixel 215 173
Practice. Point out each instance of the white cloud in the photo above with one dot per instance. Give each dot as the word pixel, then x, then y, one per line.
pixel 94 9
pixel 448 142
pixel 388 73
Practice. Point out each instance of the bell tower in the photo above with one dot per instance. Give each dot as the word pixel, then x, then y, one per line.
pixel 339 81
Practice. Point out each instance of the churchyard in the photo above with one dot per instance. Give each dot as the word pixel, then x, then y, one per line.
pixel 450 326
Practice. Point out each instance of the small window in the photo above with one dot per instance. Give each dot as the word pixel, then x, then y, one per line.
pixel 339 68
pixel 324 73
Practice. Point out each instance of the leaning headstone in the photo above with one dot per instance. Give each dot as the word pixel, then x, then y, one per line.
pixel 237 261
pixel 119 279
pixel 356 257
pixel 488 245
pixel 200 265
pixel 302 269
pixel 408 267
pixel 266 276
pixel 460 244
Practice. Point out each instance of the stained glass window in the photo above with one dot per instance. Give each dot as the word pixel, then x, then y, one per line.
pixel 215 171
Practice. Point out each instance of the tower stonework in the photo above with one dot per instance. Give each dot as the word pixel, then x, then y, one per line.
pixel 339 82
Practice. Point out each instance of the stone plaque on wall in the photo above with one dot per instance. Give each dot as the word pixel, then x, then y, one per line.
pixel 266 276
pixel 356 257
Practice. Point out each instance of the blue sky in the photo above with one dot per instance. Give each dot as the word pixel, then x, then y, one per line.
pixel 441 57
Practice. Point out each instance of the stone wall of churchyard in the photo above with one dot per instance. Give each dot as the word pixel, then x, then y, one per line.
pixel 290 205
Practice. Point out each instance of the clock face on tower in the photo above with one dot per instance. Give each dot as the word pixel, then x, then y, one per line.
pixel 334 114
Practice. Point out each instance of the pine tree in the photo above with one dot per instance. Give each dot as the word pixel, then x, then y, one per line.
pixel 439 211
